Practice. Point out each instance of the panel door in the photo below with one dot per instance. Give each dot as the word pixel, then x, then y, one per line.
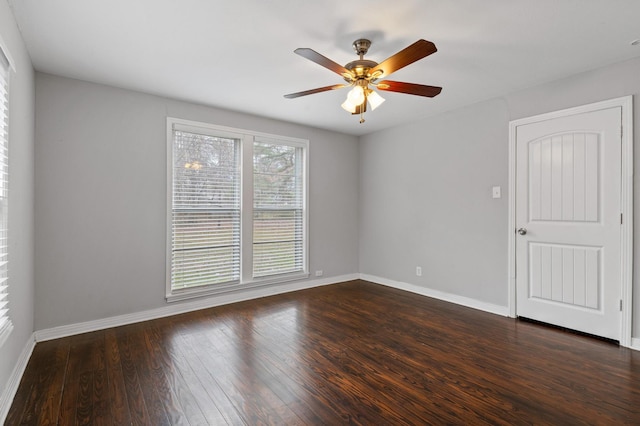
pixel 568 185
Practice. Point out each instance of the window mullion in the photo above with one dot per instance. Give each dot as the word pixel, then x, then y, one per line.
pixel 246 209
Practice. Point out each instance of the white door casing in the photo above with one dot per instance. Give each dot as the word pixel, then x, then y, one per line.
pixel 569 186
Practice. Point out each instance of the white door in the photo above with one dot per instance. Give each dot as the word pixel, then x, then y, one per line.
pixel 568 215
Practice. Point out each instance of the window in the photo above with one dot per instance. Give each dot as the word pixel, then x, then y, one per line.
pixel 206 210
pixel 278 208
pixel 236 209
pixel 5 322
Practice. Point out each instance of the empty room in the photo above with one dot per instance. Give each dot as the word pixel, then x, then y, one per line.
pixel 319 213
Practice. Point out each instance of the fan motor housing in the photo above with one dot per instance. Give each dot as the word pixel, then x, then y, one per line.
pixel 361 67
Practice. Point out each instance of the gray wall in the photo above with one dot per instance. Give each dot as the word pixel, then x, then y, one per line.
pixel 425 200
pixel 425 188
pixel 101 193
pixel 21 228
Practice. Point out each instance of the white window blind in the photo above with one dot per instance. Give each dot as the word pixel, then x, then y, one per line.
pixel 5 322
pixel 236 209
pixel 205 244
pixel 278 208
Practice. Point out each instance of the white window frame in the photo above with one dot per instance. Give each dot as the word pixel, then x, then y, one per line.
pixel 247 138
pixel 6 325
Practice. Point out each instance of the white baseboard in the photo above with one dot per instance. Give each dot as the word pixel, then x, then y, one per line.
pixel 180 308
pixel 223 299
pixel 436 294
pixel 14 379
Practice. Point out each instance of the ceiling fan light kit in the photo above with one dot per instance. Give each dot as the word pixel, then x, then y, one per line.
pixel 363 73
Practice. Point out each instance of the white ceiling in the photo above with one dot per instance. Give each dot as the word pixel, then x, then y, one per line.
pixel 238 54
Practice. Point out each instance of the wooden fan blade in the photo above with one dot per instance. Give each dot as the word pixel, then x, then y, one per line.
pixel 314 56
pixel 312 91
pixel 406 56
pixel 409 88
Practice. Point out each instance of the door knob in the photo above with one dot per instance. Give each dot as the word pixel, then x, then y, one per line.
pixel 522 231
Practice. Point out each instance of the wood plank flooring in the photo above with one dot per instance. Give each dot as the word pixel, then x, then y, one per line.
pixel 350 353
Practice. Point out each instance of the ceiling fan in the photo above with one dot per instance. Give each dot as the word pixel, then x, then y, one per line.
pixel 363 74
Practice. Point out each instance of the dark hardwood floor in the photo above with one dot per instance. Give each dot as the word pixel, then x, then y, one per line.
pixel 348 353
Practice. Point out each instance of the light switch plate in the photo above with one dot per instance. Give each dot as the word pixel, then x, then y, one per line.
pixel 496 192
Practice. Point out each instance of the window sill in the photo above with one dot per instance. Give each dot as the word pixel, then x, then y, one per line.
pixel 193 293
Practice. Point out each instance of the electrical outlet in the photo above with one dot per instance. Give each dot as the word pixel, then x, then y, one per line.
pixel 319 273
pixel 419 271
